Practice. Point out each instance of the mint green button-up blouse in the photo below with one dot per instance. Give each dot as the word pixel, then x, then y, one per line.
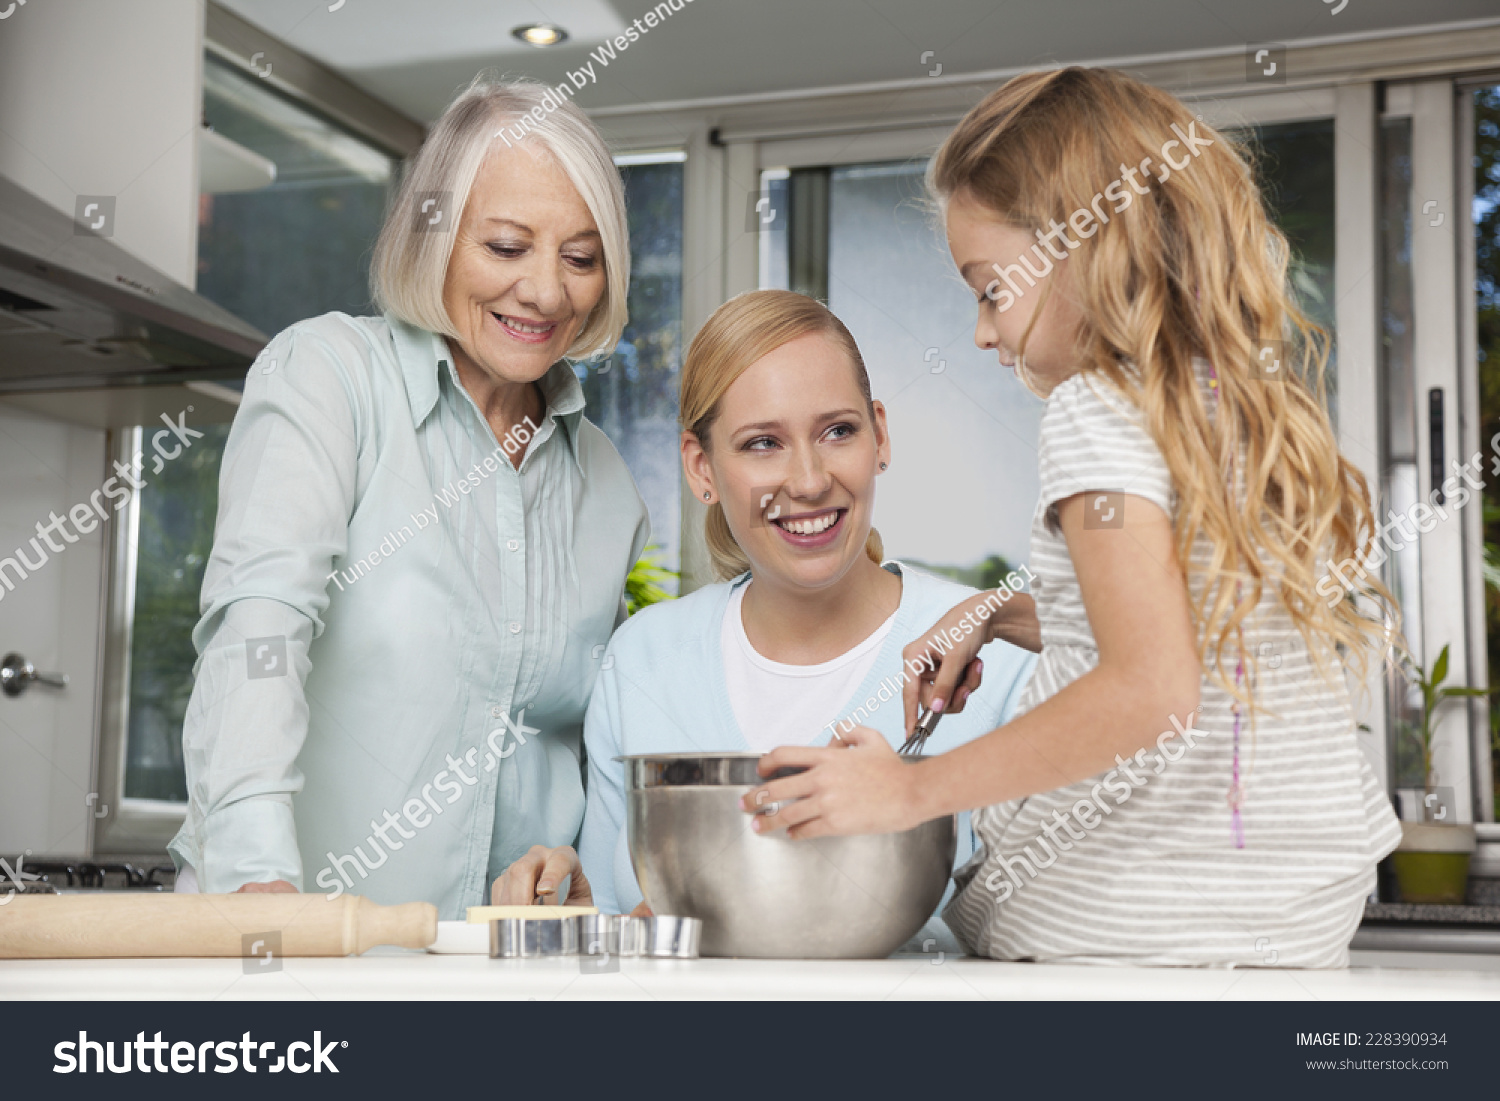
pixel 400 630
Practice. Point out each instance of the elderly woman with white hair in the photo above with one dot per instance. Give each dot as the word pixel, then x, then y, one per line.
pixel 422 543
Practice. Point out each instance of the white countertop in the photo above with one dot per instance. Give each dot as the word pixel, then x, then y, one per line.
pixel 398 974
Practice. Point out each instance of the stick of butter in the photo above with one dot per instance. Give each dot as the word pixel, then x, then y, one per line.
pixel 481 914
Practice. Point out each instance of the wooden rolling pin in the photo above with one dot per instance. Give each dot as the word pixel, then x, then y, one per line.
pixel 109 925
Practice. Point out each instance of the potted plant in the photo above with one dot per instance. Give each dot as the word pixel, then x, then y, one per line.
pixel 643 586
pixel 1432 861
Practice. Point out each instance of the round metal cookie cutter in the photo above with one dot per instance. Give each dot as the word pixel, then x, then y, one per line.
pixel 665 937
pixel 533 938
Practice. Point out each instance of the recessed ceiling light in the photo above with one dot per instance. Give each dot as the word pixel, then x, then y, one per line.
pixel 541 34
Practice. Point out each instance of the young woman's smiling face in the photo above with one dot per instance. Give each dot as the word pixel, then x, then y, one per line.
pixel 527 265
pixel 979 240
pixel 793 455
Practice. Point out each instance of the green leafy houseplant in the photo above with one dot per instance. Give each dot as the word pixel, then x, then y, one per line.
pixel 643 585
pixel 1434 694
pixel 1432 861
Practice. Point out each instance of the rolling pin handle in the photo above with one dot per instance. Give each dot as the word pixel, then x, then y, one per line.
pixel 409 925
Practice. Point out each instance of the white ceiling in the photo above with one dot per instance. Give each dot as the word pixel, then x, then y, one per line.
pixel 415 56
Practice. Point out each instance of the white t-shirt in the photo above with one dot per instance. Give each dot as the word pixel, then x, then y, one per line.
pixel 778 704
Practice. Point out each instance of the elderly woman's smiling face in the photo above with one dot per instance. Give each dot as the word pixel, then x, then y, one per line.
pixel 527 265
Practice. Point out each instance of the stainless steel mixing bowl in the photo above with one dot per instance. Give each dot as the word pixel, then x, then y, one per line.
pixel 765 896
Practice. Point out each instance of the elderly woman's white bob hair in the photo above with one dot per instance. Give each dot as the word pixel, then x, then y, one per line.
pixel 411 255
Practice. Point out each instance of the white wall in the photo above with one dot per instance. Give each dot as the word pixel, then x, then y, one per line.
pixel 104 97
pixel 47 736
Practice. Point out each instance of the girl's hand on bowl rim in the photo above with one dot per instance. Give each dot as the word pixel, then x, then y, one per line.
pixel 859 785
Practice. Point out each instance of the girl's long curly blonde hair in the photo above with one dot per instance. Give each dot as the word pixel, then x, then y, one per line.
pixel 1192 267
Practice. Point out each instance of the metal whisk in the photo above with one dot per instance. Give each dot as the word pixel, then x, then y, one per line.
pixel 926 723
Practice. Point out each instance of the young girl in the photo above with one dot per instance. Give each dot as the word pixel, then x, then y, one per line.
pixel 802 641
pixel 1184 785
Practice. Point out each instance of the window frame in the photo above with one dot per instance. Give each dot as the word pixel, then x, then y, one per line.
pixel 128 825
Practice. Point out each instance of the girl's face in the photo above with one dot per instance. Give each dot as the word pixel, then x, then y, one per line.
pixel 979 241
pixel 793 458
pixel 527 266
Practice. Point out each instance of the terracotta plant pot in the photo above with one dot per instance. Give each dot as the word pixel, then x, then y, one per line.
pixel 1432 862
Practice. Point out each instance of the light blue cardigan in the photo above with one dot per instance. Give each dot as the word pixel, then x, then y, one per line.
pixel 661 689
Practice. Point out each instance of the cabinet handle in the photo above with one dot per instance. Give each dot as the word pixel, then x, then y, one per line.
pixel 1435 442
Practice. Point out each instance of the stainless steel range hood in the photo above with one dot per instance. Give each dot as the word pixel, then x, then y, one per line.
pixel 79 312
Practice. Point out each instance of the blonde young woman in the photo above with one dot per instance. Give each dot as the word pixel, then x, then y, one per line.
pixel 1188 723
pixel 783 442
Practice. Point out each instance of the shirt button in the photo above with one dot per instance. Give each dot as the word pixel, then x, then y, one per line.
pixel 515 628
pixel 514 544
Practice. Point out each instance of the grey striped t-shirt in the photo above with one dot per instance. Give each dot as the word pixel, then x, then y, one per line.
pixel 1138 865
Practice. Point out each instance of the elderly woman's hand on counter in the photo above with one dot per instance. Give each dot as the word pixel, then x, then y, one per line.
pixel 539 874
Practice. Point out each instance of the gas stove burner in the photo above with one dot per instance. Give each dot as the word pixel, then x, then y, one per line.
pixel 102 875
